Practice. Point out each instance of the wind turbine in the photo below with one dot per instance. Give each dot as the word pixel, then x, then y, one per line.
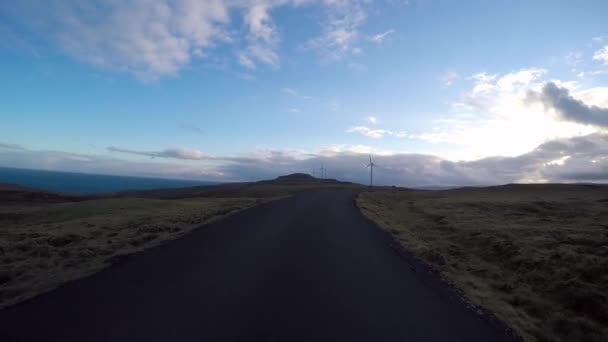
pixel 322 171
pixel 371 171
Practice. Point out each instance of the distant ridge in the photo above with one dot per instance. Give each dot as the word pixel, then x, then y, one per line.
pixel 301 178
pixel 19 193
pixel 276 187
pixel 295 177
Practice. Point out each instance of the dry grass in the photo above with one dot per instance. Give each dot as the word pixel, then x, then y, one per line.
pixel 44 246
pixel 535 255
pixel 47 239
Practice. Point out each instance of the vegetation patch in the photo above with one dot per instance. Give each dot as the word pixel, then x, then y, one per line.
pixel 47 238
pixel 46 246
pixel 535 255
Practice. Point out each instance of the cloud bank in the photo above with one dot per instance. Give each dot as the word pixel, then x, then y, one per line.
pixel 577 159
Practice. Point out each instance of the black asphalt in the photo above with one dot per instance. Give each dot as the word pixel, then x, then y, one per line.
pixel 308 268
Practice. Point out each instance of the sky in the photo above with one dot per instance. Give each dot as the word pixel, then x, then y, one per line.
pixel 437 92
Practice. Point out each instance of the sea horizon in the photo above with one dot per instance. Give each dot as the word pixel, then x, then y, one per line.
pixel 89 183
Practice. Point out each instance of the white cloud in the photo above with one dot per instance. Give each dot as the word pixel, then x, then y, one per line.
pixel 369 132
pixel 263 53
pixel 372 120
pixel 263 38
pixel 449 78
pixel 584 74
pixel 245 61
pixel 147 39
pixel 601 55
pixel 341 32
pixel 380 37
pixel 376 133
pixel 512 81
pixel 483 83
pixel 155 39
pixel 337 150
pixel 559 161
pixel 258 20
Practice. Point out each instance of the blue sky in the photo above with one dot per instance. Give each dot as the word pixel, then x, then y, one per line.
pixel 441 92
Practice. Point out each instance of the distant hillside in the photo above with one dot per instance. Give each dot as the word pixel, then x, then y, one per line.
pixel 17 193
pixel 279 186
pixel 301 178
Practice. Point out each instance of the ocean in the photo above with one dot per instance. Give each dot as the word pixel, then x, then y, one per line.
pixel 82 183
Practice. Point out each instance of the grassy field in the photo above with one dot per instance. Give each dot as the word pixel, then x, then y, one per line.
pixel 47 239
pixel 43 246
pixel 535 255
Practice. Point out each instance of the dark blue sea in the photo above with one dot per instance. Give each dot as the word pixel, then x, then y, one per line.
pixel 82 183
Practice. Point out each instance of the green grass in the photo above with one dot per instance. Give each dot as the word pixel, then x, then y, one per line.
pixel 43 247
pixel 535 255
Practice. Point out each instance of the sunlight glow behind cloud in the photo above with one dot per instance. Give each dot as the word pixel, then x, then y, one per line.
pixel 495 118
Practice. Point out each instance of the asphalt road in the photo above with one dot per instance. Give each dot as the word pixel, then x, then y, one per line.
pixel 308 268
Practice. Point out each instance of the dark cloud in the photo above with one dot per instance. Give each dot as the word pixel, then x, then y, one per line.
pixel 175 153
pixel 585 159
pixel 569 108
pixel 11 146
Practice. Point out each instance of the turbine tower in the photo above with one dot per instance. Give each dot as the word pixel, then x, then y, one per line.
pixel 322 171
pixel 371 171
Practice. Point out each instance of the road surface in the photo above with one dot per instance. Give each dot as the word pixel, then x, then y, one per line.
pixel 308 268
